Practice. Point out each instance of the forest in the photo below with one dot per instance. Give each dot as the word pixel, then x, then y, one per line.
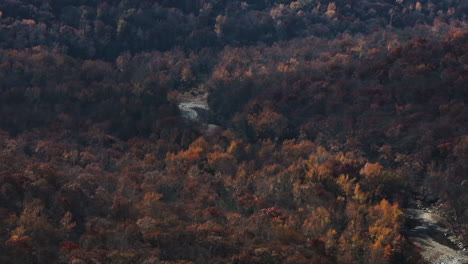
pixel 327 121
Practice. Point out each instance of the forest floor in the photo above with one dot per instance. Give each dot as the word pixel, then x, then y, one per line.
pixel 437 243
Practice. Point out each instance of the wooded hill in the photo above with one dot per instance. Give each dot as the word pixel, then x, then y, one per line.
pixel 330 117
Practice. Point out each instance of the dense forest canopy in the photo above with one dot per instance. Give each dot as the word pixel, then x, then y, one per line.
pixel 327 119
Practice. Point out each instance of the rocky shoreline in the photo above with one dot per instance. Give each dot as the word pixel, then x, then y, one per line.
pixel 430 232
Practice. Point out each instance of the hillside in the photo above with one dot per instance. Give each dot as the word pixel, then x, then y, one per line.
pixel 211 131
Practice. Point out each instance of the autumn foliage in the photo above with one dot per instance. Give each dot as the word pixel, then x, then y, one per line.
pixel 329 116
